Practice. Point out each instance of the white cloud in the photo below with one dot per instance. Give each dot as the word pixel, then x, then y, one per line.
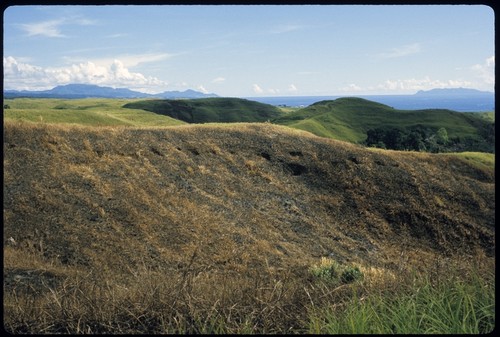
pixel 257 89
pixel 351 88
pixel 218 80
pixel 46 28
pixel 407 86
pixel 23 76
pixel 425 83
pixel 405 50
pixel 115 36
pixel 52 28
pixel 202 89
pixel 292 88
pixel 486 70
pixel 127 59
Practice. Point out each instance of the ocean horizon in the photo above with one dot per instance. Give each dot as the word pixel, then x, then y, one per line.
pixel 466 103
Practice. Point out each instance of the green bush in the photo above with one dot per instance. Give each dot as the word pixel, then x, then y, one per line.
pixel 351 274
pixel 331 271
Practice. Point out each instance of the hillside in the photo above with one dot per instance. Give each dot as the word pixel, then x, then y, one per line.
pixel 349 119
pixel 210 110
pixel 247 194
pixel 87 111
pixel 182 229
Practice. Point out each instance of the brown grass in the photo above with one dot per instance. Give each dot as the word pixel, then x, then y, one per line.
pixel 214 228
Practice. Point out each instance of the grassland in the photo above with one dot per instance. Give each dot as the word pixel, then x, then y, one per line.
pixel 220 228
pixel 89 111
pixel 347 119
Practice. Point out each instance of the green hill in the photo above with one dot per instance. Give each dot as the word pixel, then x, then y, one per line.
pixel 210 110
pixel 350 119
pixel 87 111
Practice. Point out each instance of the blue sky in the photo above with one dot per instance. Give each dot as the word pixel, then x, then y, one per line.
pixel 245 51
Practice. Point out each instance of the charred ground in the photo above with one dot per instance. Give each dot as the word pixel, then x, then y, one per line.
pixel 250 195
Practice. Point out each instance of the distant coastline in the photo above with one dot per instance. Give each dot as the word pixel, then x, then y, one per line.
pixel 465 103
pixel 457 99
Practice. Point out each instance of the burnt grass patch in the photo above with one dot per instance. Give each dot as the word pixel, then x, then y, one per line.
pixel 219 212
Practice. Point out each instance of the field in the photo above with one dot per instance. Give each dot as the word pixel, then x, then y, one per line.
pixel 88 111
pixel 236 228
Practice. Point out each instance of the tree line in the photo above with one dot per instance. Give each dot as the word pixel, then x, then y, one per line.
pixel 428 139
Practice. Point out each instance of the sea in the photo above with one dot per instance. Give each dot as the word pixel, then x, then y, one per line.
pixel 467 103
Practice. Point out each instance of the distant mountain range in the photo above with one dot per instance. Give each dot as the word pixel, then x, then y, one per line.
pixel 89 90
pixel 452 92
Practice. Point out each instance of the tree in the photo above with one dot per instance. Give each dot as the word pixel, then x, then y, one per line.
pixel 442 136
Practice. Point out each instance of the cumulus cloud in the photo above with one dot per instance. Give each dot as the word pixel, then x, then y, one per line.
pixel 425 83
pixel 351 88
pixel 23 76
pixel 292 88
pixel 486 70
pixel 128 60
pixel 257 89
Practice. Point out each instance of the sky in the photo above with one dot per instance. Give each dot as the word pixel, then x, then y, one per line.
pixel 251 50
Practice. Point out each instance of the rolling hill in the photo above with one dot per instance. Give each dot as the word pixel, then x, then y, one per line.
pixel 86 111
pixel 210 110
pixel 114 229
pixel 349 119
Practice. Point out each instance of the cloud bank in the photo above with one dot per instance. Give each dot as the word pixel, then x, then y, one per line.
pixel 24 76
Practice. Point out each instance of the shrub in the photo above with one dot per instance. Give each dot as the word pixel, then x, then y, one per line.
pixel 331 271
pixel 351 274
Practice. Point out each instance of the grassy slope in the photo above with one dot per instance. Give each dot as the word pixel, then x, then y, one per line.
pixel 204 222
pixel 208 110
pixel 285 194
pixel 90 111
pixel 349 118
pixel 343 119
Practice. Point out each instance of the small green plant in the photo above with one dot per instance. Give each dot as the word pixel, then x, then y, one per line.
pixel 351 274
pixel 332 271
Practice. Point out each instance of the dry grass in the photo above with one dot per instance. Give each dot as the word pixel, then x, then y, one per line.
pixel 214 228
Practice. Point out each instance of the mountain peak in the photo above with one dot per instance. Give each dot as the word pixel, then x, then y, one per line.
pixel 82 90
